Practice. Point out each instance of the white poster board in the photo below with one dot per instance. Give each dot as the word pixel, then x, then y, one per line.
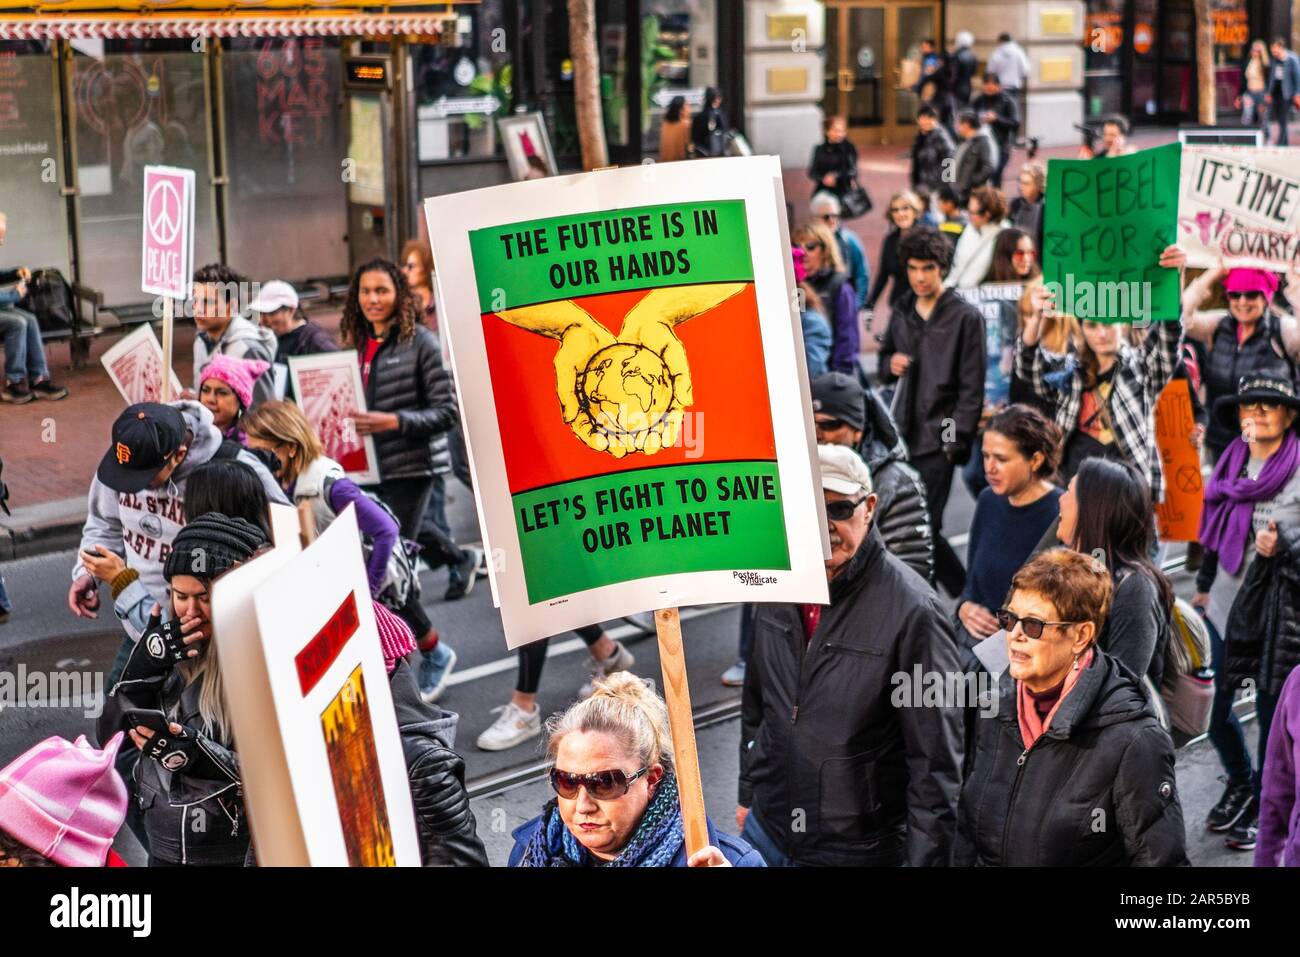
pixel 640 435
pixel 328 388
pixel 134 363
pixel 324 774
pixel 1241 204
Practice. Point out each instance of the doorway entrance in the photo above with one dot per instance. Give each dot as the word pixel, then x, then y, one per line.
pixel 872 58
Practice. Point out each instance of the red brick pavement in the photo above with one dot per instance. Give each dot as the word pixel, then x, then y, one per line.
pixel 50 449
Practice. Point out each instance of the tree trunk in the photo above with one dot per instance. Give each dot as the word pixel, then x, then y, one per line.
pixel 586 83
pixel 1205 97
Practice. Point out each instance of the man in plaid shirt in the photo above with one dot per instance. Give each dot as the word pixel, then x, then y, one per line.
pixel 1104 399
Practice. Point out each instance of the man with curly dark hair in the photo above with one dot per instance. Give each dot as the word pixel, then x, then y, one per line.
pixel 218 291
pixel 934 351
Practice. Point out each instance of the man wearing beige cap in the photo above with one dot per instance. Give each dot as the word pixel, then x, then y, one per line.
pixel 836 767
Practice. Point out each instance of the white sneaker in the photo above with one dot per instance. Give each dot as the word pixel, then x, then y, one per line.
pixel 734 677
pixel 620 660
pixel 513 726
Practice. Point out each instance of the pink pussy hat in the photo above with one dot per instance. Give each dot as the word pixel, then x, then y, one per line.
pixel 1251 280
pixel 239 374
pixel 395 636
pixel 65 801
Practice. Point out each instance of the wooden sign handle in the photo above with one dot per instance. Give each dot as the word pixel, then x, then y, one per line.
pixel 168 323
pixel 306 523
pixel 677 694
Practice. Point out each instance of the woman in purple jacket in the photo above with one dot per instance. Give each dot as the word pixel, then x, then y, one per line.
pixel 1278 841
pixel 308 475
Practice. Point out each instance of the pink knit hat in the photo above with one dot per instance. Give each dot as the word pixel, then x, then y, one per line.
pixel 395 637
pixel 239 374
pixel 1251 280
pixel 65 801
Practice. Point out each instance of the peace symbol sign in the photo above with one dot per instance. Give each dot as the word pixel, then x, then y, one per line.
pixel 164 212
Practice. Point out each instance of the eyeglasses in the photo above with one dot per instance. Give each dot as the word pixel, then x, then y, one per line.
pixel 1260 405
pixel 600 785
pixel 829 425
pixel 810 247
pixel 1252 294
pixel 1032 627
pixel 842 510
pixel 1023 254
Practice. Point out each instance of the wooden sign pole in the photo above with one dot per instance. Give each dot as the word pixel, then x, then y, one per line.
pixel 167 350
pixel 677 694
pixel 306 523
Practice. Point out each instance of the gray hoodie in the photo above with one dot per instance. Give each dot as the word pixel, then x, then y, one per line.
pixel 241 340
pixel 140 527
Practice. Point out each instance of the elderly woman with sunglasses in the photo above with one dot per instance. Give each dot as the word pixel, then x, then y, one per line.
pixel 616 795
pixel 1253 339
pixel 1074 770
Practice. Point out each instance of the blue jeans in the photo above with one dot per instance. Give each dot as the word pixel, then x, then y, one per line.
pixel 4 596
pixel 24 351
pixel 1225 730
pixel 759 841
pixel 748 622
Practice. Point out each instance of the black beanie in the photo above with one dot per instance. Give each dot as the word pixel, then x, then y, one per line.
pixel 211 545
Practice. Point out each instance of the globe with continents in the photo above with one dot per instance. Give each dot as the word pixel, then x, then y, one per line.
pixel 625 388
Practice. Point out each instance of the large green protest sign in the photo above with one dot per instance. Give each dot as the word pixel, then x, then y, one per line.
pixel 1105 223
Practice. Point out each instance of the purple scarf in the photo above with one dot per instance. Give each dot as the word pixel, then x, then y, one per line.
pixel 1230 501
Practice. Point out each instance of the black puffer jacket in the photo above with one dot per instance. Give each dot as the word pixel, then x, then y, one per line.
pixel 946 378
pixel 195 817
pixel 901 514
pixel 1097 789
pixel 1262 354
pixel 1263 634
pixel 448 833
pixel 833 772
pixel 408 378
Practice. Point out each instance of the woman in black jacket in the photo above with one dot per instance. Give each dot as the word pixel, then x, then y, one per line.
pixel 410 401
pixel 1106 513
pixel 186 783
pixel 834 164
pixel 903 213
pixel 1075 770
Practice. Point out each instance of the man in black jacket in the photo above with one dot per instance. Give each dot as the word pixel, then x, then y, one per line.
pixel 998 111
pixel 934 350
pixel 976 159
pixel 847 413
pixel 931 149
pixel 839 764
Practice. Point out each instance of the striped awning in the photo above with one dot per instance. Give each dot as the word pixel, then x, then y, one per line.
pixel 234 24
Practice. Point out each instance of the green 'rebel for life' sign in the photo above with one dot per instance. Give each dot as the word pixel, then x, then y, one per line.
pixel 1105 223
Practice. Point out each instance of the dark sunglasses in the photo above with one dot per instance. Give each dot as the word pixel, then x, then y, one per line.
pixel 601 785
pixel 1259 405
pixel 1252 294
pixel 1032 627
pixel 810 247
pixel 1023 254
pixel 843 509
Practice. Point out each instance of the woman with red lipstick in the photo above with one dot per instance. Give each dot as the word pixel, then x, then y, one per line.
pixel 1022 449
pixel 1075 770
pixel 616 795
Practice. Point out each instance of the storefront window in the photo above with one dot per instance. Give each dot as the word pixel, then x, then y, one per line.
pixel 284 147
pixel 140 102
pixel 1104 47
pixel 1178 40
pixel 677 59
pixel 31 160
pixel 1231 43
pixel 462 85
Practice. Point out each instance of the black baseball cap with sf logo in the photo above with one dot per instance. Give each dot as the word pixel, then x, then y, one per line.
pixel 144 436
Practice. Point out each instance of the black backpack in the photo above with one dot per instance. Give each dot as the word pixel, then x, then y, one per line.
pixel 50 299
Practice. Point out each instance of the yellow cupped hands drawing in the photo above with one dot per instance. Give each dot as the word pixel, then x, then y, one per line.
pixel 627 393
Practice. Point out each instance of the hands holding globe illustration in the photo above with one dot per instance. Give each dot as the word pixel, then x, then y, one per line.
pixel 625 394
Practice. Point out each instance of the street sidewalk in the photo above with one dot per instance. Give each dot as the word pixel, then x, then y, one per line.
pixel 50 449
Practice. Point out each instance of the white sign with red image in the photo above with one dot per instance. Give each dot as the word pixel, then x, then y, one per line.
pixel 328 387
pixel 167 250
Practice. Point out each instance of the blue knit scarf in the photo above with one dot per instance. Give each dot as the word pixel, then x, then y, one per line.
pixel 655 842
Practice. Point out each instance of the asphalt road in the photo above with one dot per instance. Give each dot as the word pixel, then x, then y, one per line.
pixel 42 635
